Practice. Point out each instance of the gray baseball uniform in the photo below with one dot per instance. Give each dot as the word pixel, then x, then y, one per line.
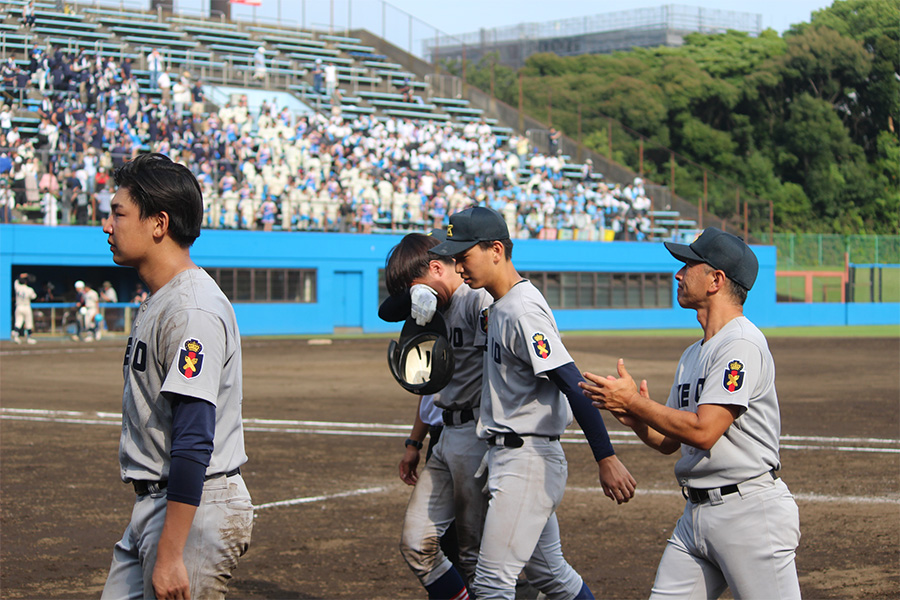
pixel 746 507
pixel 525 483
pixel 184 341
pixel 447 488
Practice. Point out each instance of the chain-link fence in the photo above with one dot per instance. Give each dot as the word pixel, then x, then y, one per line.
pixel 805 250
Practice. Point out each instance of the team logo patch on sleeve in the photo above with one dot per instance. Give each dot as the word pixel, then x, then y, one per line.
pixel 541 345
pixel 734 376
pixel 483 319
pixel 190 360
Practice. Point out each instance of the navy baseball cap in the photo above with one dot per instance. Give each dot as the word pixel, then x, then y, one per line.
pixel 470 226
pixel 438 234
pixel 722 251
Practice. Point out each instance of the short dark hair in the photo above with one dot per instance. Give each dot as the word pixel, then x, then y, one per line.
pixel 507 246
pixel 409 260
pixel 738 292
pixel 157 184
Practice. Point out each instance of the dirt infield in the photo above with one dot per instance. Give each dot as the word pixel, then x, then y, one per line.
pixel 326 426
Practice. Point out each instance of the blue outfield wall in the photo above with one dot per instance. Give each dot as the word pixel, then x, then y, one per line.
pixel 347 268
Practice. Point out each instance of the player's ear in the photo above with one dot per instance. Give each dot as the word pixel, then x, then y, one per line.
pixel 718 281
pixel 497 251
pixel 160 224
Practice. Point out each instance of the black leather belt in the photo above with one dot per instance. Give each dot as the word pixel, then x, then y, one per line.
pixel 514 440
pixel 465 415
pixel 698 495
pixel 153 487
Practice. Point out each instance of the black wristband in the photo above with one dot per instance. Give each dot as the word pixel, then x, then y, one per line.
pixel 412 442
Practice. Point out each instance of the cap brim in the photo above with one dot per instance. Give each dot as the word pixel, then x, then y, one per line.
pixel 395 308
pixel 683 252
pixel 452 248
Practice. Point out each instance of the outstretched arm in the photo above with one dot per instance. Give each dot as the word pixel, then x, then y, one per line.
pixel 617 482
pixel 660 426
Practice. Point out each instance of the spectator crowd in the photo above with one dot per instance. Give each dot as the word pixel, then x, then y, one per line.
pixel 274 168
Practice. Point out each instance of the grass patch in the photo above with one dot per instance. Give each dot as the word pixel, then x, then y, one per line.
pixel 878 331
pixel 818 331
pixel 882 283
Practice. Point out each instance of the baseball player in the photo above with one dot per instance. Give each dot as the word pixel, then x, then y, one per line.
pixel 447 488
pixel 88 306
pixel 740 527
pixel 182 442
pixel 24 317
pixel 429 420
pixel 523 414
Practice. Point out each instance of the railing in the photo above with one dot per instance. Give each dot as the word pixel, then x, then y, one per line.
pixel 59 318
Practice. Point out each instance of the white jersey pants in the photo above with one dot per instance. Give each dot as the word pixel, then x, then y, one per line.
pixel 745 541
pixel 447 489
pixel 525 486
pixel 220 535
pixel 24 316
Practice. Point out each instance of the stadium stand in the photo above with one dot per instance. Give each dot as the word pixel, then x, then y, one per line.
pixel 382 154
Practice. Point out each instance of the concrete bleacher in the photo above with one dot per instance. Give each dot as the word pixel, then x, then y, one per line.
pixel 162 34
pixel 138 23
pixel 26 125
pixel 228 47
pixel 203 24
pixel 401 105
pixel 160 43
pixel 278 31
pixel 377 64
pixel 223 34
pixel 101 13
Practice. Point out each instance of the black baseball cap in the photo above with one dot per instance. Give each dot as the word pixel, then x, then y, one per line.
pixel 470 226
pixel 438 234
pixel 722 251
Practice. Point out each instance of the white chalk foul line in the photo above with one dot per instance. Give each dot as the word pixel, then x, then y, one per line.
pixel 801 497
pixel 295 501
pixel 324 424
pixel 292 426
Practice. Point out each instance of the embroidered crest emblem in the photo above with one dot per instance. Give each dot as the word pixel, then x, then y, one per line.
pixel 190 360
pixel 541 345
pixel 483 319
pixel 734 376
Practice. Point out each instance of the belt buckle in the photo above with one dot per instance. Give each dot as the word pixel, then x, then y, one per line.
pixel 696 496
pixel 143 487
pixel 513 440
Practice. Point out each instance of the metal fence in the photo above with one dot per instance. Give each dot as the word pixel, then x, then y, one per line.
pixel 829 250
pixel 666 17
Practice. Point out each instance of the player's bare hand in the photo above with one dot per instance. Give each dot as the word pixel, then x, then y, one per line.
pixel 170 580
pixel 408 466
pixel 610 393
pixel 617 482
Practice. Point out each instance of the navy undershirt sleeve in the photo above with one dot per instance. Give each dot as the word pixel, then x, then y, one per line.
pixel 193 431
pixel 566 379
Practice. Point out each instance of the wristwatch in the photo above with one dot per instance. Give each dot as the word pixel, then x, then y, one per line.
pixel 412 442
